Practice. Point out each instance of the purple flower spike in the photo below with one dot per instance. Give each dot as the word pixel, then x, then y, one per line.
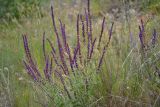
pixel 55 59
pixel 101 59
pixel 63 34
pixel 51 45
pixel 78 39
pixel 105 47
pixel 27 51
pixel 75 56
pixel 102 29
pixel 50 69
pixel 110 31
pixel 53 21
pixel 56 62
pixel 92 48
pixel 87 23
pixel 64 63
pixel 70 57
pixel 78 26
pixel 30 71
pixel 46 69
pixel 88 33
pixel 55 30
pixel 60 49
pixel 29 57
pixel 88 47
pixel 44 52
pixel 88 6
pixel 59 44
pixel 63 60
pixel 141 36
pixel 154 37
pixel 90 21
pixel 83 29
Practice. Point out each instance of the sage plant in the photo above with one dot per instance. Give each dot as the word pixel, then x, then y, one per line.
pixel 67 61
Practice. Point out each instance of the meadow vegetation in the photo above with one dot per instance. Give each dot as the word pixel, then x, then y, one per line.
pixel 80 54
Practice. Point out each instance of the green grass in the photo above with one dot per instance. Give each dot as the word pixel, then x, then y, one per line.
pixel 125 78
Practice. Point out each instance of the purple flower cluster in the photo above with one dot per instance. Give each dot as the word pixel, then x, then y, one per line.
pixel 30 66
pixel 67 60
pixel 83 29
pixel 102 30
pixel 142 36
pixel 44 51
pixel 46 70
pixel 154 37
pixel 105 47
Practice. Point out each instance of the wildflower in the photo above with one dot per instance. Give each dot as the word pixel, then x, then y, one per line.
pixel 56 62
pixel 90 21
pixel 64 53
pixel 63 34
pixel 78 27
pixel 110 31
pixel 101 59
pixel 105 47
pixel 29 57
pixel 88 46
pixel 50 69
pixel 83 29
pixel 87 29
pixel 53 21
pixel 92 48
pixel 51 45
pixel 59 43
pixel 78 39
pixel 46 69
pixel 30 71
pixel 70 57
pixel 62 58
pixel 141 36
pixel 60 47
pixel 102 29
pixel 154 36
pixel 86 15
pixel 44 52
pixel 75 56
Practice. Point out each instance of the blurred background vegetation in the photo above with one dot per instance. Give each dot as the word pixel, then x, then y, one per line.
pixel 18 9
